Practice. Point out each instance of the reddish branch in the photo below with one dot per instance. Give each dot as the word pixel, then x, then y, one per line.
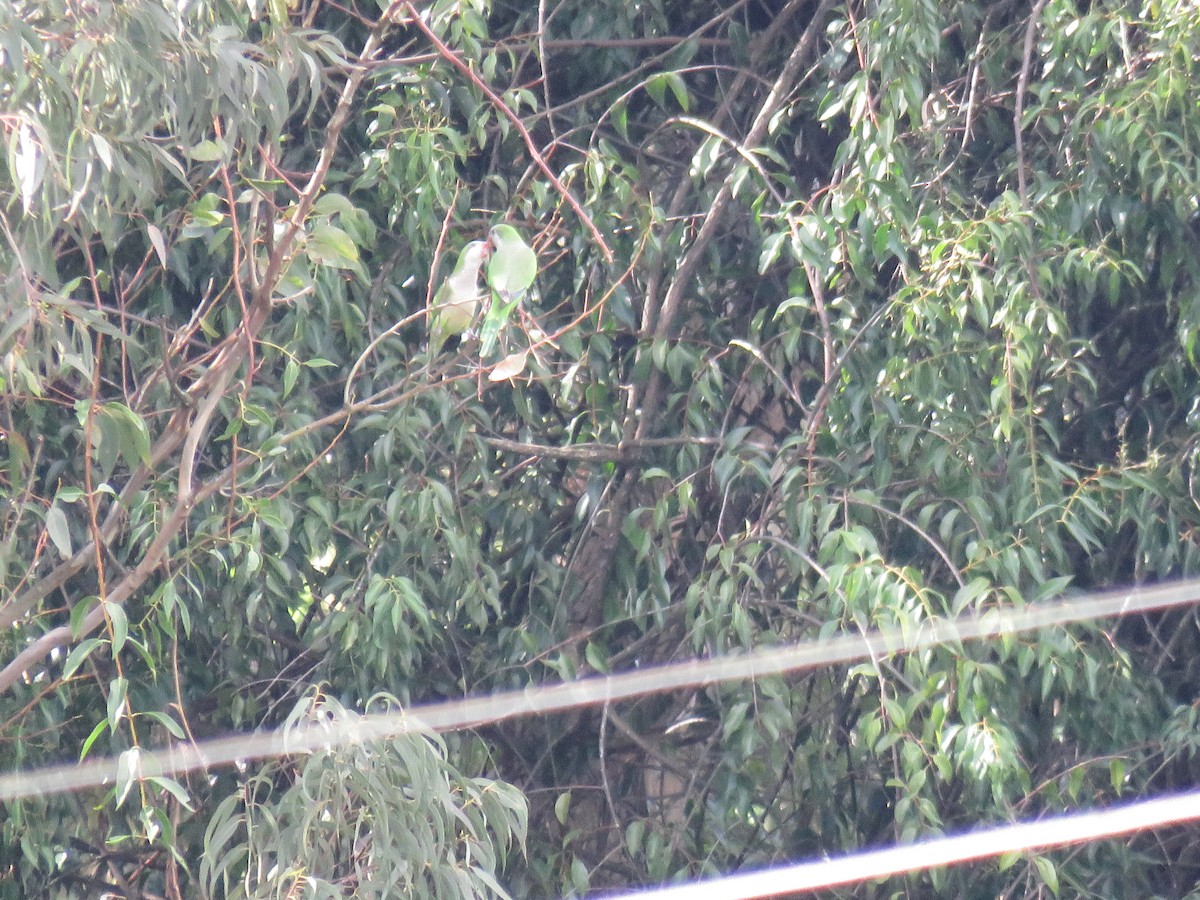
pixel 453 58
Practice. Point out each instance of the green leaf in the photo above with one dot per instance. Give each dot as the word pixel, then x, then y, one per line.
pixel 117 707
pixel 1116 774
pixel 620 118
pixel 596 656
pixel 580 879
pixel 76 657
pixel 1075 782
pixel 27 162
pixel 128 770
pixel 174 788
pixel 165 721
pixel 120 624
pixel 634 832
pixel 291 371
pixel 331 204
pixel 101 727
pixel 330 246
pixel 679 89
pixel 158 242
pixel 656 87
pixel 562 807
pixel 772 248
pixel 79 612
pixel 1007 860
pixel 60 533
pixel 131 435
pixel 208 151
pixel 207 211
pixel 1049 873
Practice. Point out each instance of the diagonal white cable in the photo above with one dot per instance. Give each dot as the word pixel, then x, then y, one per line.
pixel 1056 831
pixel 537 700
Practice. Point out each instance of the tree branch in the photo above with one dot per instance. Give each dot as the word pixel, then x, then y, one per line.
pixel 681 282
pixel 451 57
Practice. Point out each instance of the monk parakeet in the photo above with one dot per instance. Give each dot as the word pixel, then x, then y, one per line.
pixel 457 300
pixel 513 264
pixel 510 272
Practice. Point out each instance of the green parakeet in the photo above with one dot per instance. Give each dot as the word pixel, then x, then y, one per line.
pixel 513 264
pixel 457 300
pixel 510 272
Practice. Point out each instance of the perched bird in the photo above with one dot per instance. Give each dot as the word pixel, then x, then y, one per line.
pixel 511 269
pixel 457 301
pixel 513 264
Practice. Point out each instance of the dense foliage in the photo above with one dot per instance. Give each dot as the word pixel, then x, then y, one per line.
pixel 847 314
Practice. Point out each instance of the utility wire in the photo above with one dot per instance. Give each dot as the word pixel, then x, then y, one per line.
pixel 1055 831
pixel 452 715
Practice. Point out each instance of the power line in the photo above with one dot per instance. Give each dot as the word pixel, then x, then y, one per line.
pixel 539 700
pixel 1055 831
